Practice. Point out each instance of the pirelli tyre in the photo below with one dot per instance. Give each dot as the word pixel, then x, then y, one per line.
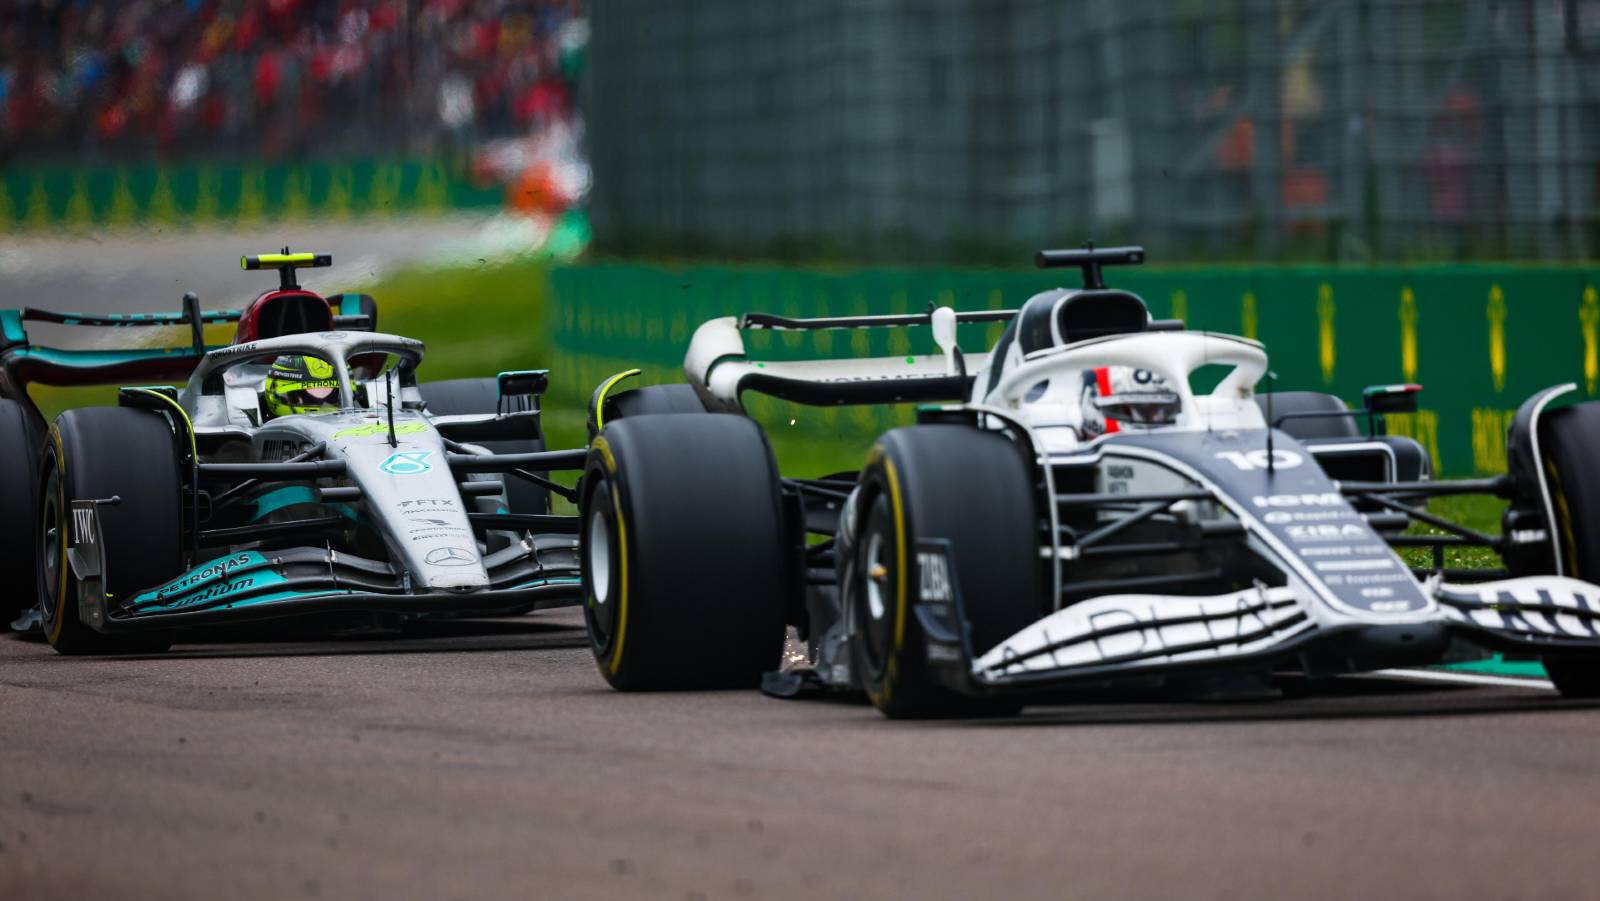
pixel 970 492
pixel 1568 439
pixel 462 397
pixel 105 453
pixel 651 400
pixel 19 517
pixel 1311 428
pixel 686 556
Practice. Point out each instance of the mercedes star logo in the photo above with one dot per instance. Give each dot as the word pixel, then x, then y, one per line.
pixel 450 556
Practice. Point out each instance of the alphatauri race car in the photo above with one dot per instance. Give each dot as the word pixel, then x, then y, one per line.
pixel 1070 510
pixel 301 470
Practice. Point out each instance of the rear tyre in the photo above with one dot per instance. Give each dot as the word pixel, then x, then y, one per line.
pixel 1310 428
pixel 650 400
pixel 657 399
pixel 686 556
pixel 1568 437
pixel 967 487
pixel 98 453
pixel 19 514
pixel 462 397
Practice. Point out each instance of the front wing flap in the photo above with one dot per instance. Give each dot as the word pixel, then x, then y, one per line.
pixel 1142 631
pixel 1543 613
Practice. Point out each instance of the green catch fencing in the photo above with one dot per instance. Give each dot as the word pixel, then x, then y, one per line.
pixel 1479 338
pixel 39 199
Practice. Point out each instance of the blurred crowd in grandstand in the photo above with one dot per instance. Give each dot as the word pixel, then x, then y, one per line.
pixel 282 79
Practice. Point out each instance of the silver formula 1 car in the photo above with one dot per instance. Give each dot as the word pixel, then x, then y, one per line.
pixel 301 470
pixel 1070 510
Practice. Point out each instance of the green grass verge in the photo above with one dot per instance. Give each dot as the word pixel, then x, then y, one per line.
pixel 1477 512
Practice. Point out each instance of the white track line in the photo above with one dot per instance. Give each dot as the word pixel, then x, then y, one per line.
pixel 1468 678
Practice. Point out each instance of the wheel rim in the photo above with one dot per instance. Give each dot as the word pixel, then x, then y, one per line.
pixel 50 545
pixel 599 613
pixel 878 578
pixel 599 551
pixel 875 605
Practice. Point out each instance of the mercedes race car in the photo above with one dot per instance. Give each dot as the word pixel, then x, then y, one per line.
pixel 1070 510
pixel 300 470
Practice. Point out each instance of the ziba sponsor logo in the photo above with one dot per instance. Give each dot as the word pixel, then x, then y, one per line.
pixel 1325 533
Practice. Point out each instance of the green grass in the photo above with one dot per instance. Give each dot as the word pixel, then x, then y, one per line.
pixel 1478 512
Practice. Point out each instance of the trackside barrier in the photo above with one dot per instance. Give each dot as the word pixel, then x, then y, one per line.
pixel 45 198
pixel 1480 338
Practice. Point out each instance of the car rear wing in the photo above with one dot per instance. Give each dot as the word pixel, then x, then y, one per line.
pixel 24 362
pixel 719 366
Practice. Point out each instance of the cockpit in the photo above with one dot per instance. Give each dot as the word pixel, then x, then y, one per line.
pixel 304 374
pixel 1092 362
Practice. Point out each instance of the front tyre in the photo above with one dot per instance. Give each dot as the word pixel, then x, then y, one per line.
pixel 98 453
pixel 19 514
pixel 686 557
pixel 972 490
pixel 1569 437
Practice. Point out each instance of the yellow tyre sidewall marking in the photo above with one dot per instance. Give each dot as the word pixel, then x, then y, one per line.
pixel 897 512
pixel 604 450
pixel 600 401
pixel 64 536
pixel 1564 533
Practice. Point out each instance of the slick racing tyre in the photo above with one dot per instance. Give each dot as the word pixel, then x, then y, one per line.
pixel 656 399
pixel 19 515
pixel 99 453
pixel 1568 438
pixel 955 484
pixel 1311 428
pixel 461 397
pixel 650 400
pixel 686 556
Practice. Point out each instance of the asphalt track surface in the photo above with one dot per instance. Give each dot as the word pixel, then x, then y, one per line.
pixel 489 760
pixel 149 270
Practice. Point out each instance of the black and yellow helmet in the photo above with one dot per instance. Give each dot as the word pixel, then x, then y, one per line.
pixel 299 384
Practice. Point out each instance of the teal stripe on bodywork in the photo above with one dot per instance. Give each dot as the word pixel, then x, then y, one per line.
pixel 1499 666
pixel 212 579
pixel 538 582
pixel 11 326
pixel 278 498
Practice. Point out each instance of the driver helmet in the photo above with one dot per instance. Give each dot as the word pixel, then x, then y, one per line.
pixel 300 384
pixel 1121 397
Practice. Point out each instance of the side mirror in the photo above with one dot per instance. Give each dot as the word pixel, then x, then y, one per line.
pixel 1379 399
pixel 522 383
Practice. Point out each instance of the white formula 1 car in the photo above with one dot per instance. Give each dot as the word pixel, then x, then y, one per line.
pixel 1083 515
